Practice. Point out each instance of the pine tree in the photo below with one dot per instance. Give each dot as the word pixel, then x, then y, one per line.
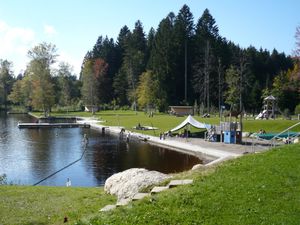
pixel 162 60
pixel 183 32
pixel 205 74
pixel 134 59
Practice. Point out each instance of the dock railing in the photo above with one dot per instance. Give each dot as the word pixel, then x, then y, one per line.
pixel 273 139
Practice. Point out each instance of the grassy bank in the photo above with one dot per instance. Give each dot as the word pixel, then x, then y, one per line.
pixel 165 122
pixel 49 205
pixel 255 189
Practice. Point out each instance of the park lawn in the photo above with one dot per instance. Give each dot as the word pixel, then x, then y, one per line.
pixel 254 189
pixel 165 122
pixel 49 205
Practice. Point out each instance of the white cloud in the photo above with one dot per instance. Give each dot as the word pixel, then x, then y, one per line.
pixel 14 44
pixel 74 62
pixel 16 41
pixel 49 30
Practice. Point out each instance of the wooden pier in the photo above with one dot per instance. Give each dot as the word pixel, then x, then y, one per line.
pixel 53 125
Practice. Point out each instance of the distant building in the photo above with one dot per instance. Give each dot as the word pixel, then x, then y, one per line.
pixel 181 110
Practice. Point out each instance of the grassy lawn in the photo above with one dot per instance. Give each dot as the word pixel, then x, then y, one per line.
pixel 49 205
pixel 165 122
pixel 255 189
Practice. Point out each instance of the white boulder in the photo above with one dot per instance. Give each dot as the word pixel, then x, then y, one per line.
pixel 129 182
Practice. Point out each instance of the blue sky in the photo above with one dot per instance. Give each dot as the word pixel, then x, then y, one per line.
pixel 74 26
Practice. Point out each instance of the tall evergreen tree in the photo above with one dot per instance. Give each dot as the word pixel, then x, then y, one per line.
pixel 134 59
pixel 107 50
pixel 120 81
pixel 205 70
pixel 150 46
pixel 183 32
pixel 162 61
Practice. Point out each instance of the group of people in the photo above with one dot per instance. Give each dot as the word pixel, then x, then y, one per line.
pixel 185 134
pixel 162 136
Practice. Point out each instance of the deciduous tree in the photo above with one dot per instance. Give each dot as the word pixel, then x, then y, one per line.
pixel 39 71
pixel 6 81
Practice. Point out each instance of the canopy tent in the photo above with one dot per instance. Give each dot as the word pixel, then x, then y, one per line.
pixel 190 120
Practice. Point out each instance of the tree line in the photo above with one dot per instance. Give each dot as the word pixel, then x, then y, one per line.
pixel 179 63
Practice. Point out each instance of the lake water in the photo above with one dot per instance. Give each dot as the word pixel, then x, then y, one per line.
pixel 29 155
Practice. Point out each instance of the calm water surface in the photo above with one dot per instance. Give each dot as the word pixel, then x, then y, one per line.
pixel 29 155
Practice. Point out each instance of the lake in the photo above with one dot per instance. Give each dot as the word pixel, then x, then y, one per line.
pixel 29 155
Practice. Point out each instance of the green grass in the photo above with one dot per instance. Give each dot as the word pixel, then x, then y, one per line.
pixel 165 122
pixel 49 205
pixel 255 189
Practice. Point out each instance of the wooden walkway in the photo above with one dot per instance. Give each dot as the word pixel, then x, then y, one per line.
pixel 53 125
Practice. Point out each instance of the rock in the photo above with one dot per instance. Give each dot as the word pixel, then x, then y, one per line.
pixel 128 183
pixel 140 196
pixel 156 189
pixel 175 183
pixel 197 166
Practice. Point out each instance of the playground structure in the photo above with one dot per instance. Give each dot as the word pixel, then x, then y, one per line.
pixel 269 108
pixel 228 132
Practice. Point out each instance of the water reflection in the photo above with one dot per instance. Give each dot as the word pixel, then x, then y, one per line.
pixel 29 155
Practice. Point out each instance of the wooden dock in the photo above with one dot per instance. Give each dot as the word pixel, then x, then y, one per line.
pixel 53 125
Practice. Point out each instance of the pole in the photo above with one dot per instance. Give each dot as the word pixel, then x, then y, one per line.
pixel 185 71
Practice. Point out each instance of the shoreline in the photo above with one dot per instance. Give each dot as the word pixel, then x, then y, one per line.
pixel 211 153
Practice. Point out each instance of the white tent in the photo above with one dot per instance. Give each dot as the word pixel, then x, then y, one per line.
pixel 190 120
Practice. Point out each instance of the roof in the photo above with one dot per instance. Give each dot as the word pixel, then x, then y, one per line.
pixel 181 106
pixel 271 97
pixel 191 121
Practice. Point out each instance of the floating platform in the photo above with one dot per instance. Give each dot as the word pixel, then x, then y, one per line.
pixel 53 125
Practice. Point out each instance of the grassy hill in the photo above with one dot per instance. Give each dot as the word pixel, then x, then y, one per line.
pixel 255 189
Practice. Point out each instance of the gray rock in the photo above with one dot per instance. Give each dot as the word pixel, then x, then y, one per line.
pixel 128 183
